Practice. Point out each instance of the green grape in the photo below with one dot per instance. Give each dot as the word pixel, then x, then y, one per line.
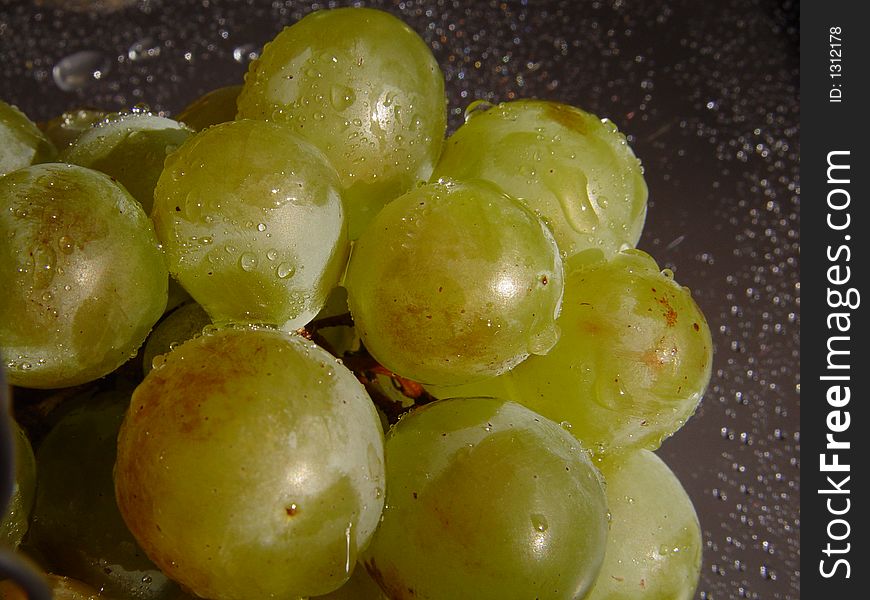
pixel 16 519
pixel 654 543
pixel 252 223
pixel 455 282
pixel 21 142
pixel 487 500
pixel 631 365
pixel 215 107
pixel 182 324
pixel 573 169
pixel 62 588
pixel 360 586
pixel 76 523
pixel 131 148
pixel 65 129
pixel 250 466
pixel 85 277
pixel 364 88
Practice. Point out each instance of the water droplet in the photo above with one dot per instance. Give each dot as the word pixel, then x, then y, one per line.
pixel 248 261
pixel 539 522
pixel 65 243
pixel 543 340
pixel 79 70
pixel 476 108
pixel 261 227
pixel 286 270
pixel 272 254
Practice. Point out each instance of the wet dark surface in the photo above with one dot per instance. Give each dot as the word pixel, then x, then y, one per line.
pixel 708 94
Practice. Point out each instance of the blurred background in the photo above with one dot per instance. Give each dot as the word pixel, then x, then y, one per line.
pixel 707 93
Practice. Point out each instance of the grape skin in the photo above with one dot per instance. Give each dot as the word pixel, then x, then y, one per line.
pixel 261 241
pixel 250 465
pixel 632 364
pixel 654 544
pixel 131 148
pixel 487 500
pixel 571 168
pixel 365 89
pixel 455 282
pixel 21 142
pixel 86 279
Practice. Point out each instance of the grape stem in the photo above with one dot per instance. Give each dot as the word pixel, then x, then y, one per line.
pixel 367 370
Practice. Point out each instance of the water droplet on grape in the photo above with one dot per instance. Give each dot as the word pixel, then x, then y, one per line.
pixel 539 522
pixel 248 261
pixel 476 108
pixel 286 270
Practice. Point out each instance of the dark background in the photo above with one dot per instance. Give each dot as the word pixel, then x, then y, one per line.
pixel 707 93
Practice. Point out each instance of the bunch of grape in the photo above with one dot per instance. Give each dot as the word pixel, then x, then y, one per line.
pixel 302 263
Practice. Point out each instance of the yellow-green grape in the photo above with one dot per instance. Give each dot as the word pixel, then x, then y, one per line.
pixel 364 88
pixel 487 500
pixel 252 222
pixel 360 586
pixel 182 324
pixel 21 142
pixel 654 544
pixel 215 107
pixel 631 365
pixel 131 148
pixel 455 282
pixel 16 518
pixel 574 170
pixel 65 129
pixel 76 523
pixel 250 465
pixel 62 588
pixel 84 276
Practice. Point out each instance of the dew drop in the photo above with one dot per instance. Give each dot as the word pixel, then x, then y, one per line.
pixel 286 270
pixel 476 108
pixel 539 522
pixel 248 261
pixel 65 243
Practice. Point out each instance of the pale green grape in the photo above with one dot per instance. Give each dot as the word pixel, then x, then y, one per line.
pixel 360 586
pixel 250 466
pixel 632 363
pixel 130 147
pixel 365 89
pixel 252 223
pixel 84 276
pixel 65 129
pixel 76 523
pixel 487 500
pixel 215 107
pixel 182 324
pixel 16 518
pixel 21 142
pixel 573 169
pixel 654 544
pixel 455 282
